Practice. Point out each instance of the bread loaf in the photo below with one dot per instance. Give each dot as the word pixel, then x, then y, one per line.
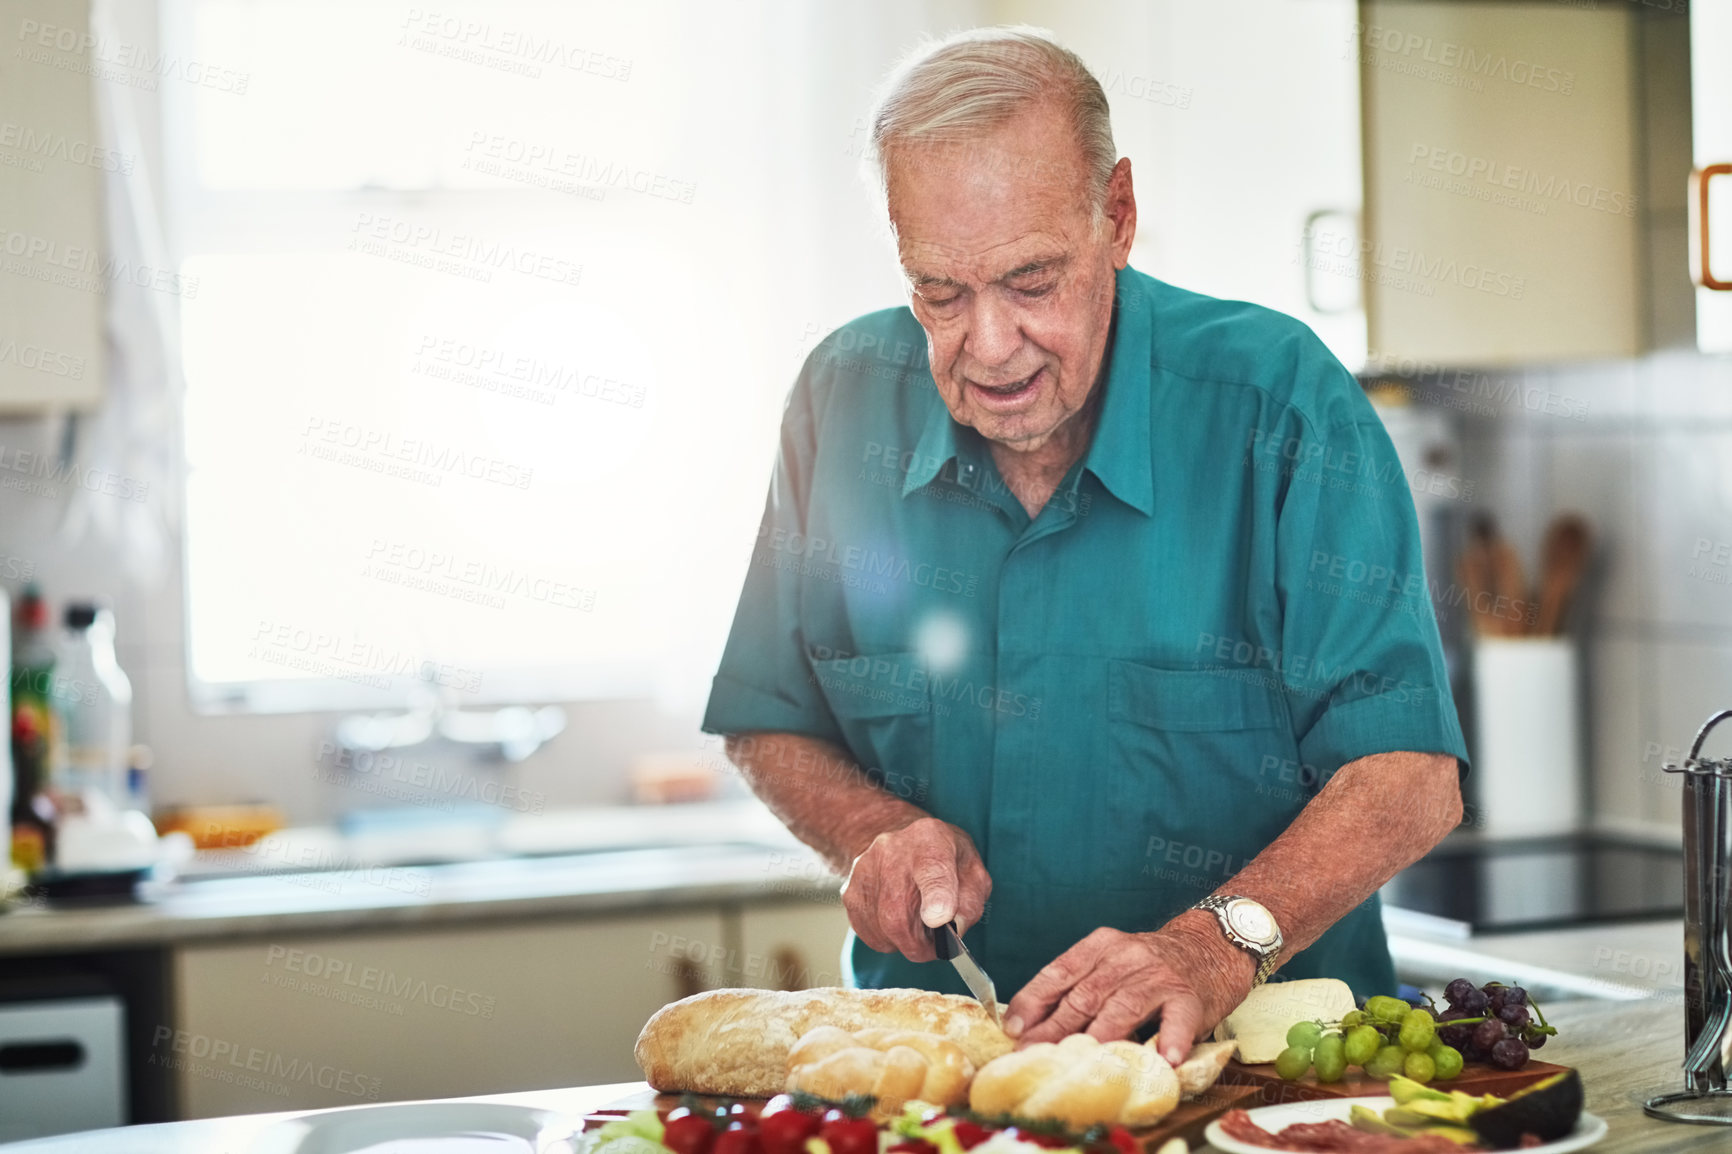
pixel 893 1066
pixel 737 1042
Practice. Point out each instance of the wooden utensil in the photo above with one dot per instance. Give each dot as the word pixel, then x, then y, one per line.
pixel 1563 559
pixel 1473 572
pixel 1510 589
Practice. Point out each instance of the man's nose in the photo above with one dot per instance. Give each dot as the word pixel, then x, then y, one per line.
pixel 993 336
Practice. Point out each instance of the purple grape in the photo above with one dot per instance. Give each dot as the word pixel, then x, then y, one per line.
pixel 1535 1039
pixel 1489 1033
pixel 1494 1003
pixel 1514 1016
pixel 1509 1054
pixel 1458 991
pixel 1514 996
pixel 1456 1036
pixel 1473 1002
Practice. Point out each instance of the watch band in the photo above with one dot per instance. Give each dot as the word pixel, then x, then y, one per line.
pixel 1267 954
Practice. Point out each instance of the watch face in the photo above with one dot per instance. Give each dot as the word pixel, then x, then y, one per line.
pixel 1252 920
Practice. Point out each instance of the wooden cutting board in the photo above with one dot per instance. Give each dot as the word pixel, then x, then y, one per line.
pixel 1475 1078
pixel 1187 1122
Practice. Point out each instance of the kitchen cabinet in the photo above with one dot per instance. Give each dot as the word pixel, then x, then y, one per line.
pixel 1711 182
pixel 793 946
pixel 1241 119
pixel 1502 171
pixel 278 1023
pixel 53 273
pixel 314 1020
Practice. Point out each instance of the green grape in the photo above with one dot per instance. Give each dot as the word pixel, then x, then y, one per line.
pixel 1418 1031
pixel 1386 1063
pixel 1362 1044
pixel 1447 1059
pixel 1351 1019
pixel 1293 1062
pixel 1304 1035
pixel 1330 1058
pixel 1387 1009
pixel 1419 1067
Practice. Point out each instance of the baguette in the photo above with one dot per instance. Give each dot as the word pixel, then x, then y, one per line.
pixel 736 1042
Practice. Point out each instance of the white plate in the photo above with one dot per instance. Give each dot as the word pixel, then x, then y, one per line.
pixel 423 1128
pixel 1274 1119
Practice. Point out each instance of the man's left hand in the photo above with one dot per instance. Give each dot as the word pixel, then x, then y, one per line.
pixel 1111 982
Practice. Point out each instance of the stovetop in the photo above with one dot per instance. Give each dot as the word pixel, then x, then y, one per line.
pixel 1543 883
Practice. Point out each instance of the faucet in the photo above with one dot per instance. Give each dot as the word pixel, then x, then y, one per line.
pixel 1707 949
pixel 509 734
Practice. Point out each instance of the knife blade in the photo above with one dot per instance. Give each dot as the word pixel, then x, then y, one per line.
pixel 948 943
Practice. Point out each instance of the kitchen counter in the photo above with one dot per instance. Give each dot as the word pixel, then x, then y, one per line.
pixel 587 862
pixel 1625 1051
pixel 1622 961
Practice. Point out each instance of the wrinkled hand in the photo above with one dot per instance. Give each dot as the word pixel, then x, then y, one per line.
pixel 1111 982
pixel 925 874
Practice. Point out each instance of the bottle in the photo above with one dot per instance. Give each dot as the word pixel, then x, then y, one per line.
pixel 31 727
pixel 92 702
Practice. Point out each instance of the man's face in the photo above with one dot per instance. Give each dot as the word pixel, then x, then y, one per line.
pixel 1008 272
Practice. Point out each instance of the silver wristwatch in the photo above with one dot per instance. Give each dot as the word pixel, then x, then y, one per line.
pixel 1250 927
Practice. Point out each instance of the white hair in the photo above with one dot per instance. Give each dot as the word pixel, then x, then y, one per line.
pixel 971 82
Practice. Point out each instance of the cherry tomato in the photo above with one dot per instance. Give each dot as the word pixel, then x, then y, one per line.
pixel 688 1133
pixel 1049 1141
pixel 1121 1138
pixel 738 1138
pixel 970 1134
pixel 786 1131
pixel 849 1136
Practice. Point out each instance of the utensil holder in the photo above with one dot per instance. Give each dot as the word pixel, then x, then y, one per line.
pixel 1706 1098
pixel 1527 777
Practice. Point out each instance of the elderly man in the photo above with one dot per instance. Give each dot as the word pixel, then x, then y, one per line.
pixel 1102 600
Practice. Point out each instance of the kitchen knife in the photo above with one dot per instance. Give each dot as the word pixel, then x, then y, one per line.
pixel 948 943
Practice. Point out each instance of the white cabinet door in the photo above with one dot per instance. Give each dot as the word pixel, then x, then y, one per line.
pixel 1241 120
pixel 1711 82
pixel 53 269
pixel 338 1020
pixel 792 947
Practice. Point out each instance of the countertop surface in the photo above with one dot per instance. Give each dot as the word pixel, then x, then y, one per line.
pixel 1625 1051
pixel 574 864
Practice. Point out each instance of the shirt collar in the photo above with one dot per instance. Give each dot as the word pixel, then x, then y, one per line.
pixel 1120 454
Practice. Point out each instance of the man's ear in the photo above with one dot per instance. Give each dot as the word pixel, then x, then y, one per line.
pixel 1121 211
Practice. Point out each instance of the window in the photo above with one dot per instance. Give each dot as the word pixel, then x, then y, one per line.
pixel 485 338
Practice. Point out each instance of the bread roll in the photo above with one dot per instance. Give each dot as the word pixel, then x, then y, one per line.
pixel 1080 1082
pixel 736 1042
pixel 891 1065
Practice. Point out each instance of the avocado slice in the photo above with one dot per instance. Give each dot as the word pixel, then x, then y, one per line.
pixel 1444 1111
pixel 1405 1090
pixel 1366 1119
pixel 1548 1109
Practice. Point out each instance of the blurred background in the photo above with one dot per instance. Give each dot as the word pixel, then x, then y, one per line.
pixel 389 393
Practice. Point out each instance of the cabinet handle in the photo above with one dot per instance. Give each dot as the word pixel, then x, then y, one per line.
pixel 1700 248
pixel 1308 253
pixel 41 1057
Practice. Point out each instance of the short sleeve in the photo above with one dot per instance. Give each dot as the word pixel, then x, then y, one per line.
pixel 1362 663
pixel 765 682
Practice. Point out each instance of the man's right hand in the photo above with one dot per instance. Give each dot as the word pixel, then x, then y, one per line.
pixel 909 880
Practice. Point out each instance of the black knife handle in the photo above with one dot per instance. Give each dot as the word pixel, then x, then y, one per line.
pixel 946 941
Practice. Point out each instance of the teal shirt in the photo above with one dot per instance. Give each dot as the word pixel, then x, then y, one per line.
pixel 1127 697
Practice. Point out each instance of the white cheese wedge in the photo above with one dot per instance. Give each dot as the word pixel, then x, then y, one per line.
pixel 1259 1026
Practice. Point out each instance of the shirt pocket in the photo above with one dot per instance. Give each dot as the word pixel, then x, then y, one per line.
pixel 1193 761
pixel 883 704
